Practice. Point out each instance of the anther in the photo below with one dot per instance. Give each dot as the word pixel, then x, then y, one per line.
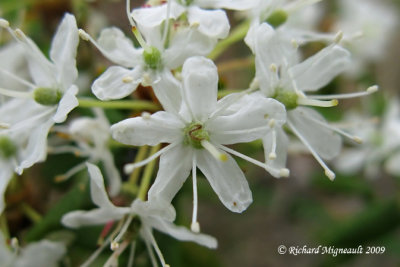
pixel 271 123
pixel 272 156
pixel 273 67
pixel 284 172
pixel 195 24
pixel 146 115
pixel 114 246
pixel 4 125
pixel 84 35
pixel 330 174
pixel 195 227
pixel 295 44
pixel 127 79
pixel 338 37
pixel 372 89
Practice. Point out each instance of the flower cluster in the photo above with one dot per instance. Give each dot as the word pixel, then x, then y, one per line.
pixel 192 124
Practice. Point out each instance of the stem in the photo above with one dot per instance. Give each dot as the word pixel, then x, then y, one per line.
pixel 148 172
pixel 32 214
pixel 119 104
pixel 237 34
pixel 139 157
pixel 235 64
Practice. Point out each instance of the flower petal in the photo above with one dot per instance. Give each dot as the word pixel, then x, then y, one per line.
pixel 63 51
pixel 227 4
pixel 97 188
pixel 200 84
pixel 182 233
pixel 212 23
pixel 43 253
pixel 80 218
pixel 160 127
pixel 112 174
pixel 318 70
pixel 67 103
pixel 117 82
pixel 323 140
pixel 174 168
pixel 118 48
pixel 227 180
pixel 282 144
pixel 168 91
pixel 249 122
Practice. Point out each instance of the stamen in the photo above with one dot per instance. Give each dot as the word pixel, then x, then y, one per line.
pixel 123 231
pixel 18 79
pixel 139 38
pixel 294 43
pixel 84 35
pixel 330 174
pixel 335 129
pixel 370 90
pixel 272 154
pixel 114 246
pixel 4 125
pixel 275 172
pixel 16 94
pixel 70 173
pixel 273 68
pixel 132 254
pixel 95 254
pixel 156 248
pixel 146 115
pixel 338 37
pixel 128 168
pixel 271 123
pixel 195 226
pixel 305 101
pixel 214 151
pixel 166 26
pixel 151 253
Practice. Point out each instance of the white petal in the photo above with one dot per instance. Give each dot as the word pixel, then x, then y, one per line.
pixel 249 122
pixel 200 84
pixel 184 44
pixel 111 85
pixel 212 23
pixel 80 218
pixel 227 180
pixel 324 141
pixel 6 174
pixel 318 70
pixel 168 91
pixel 63 50
pixel 351 160
pixel 174 168
pixel 160 127
pixel 43 253
pixel 97 188
pixel 67 103
pixel 112 173
pixel 150 17
pixel 183 234
pixel 227 4
pixel 392 165
pixel 118 48
pixel 154 209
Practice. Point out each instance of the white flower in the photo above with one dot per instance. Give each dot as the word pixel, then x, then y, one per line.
pixel 374 21
pixel 283 77
pixel 197 135
pixel 50 97
pixel 146 215
pixel 381 147
pixel 42 253
pixel 92 137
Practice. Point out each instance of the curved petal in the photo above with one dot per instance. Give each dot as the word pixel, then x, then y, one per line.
pixel 118 48
pixel 182 233
pixel 212 23
pixel 117 82
pixel 80 218
pixel 112 173
pixel 227 180
pixel 63 50
pixel 67 103
pixel 168 91
pixel 97 188
pixel 160 127
pixel 351 160
pixel 392 165
pixel 174 168
pixel 318 70
pixel 200 84
pixel 184 44
pixel 249 122
pixel 154 209
pixel 150 17
pixel 323 140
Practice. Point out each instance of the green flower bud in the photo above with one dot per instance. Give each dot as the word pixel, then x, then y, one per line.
pixel 277 18
pixel 287 98
pixel 152 57
pixel 194 134
pixel 7 147
pixel 47 96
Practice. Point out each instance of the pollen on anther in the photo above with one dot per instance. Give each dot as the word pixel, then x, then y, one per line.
pixel 127 79
pixel 272 156
pixel 372 89
pixel 114 246
pixel 273 67
pixel 4 23
pixel 83 35
pixel 271 123
pixel 146 116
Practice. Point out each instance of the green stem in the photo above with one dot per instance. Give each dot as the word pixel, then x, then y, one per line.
pixel 133 178
pixel 32 214
pixel 148 172
pixel 119 104
pixel 236 35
